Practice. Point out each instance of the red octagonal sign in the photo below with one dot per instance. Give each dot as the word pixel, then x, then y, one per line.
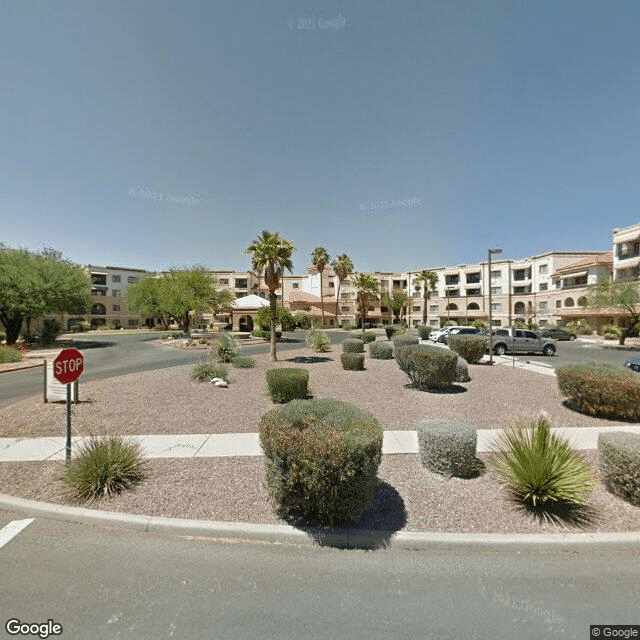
pixel 68 366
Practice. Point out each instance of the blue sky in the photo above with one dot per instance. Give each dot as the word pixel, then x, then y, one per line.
pixel 409 134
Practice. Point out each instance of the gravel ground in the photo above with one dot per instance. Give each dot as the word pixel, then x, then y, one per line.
pixel 407 497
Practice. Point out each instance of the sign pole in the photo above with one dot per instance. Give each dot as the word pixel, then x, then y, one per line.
pixel 68 448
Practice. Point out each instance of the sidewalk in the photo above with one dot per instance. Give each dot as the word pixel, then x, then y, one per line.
pixel 226 445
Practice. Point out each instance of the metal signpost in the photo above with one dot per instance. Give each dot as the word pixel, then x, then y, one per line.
pixel 67 367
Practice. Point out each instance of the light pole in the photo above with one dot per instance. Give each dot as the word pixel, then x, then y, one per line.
pixel 491 252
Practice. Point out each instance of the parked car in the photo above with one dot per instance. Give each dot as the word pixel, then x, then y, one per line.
pixel 434 335
pixel 458 331
pixel 633 364
pixel 440 335
pixel 558 334
pixel 525 341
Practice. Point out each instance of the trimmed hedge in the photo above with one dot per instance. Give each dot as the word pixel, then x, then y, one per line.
pixel 599 389
pixel 428 367
pixel 619 463
pixel 462 371
pixel 365 337
pixel 393 329
pixel 380 351
pixel 405 339
pixel 424 332
pixel 351 345
pixel 447 447
pixel 471 348
pixel 287 384
pixel 321 460
pixel 261 333
pixel 352 361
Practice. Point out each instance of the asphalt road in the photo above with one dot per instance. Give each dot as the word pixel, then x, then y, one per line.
pixel 102 583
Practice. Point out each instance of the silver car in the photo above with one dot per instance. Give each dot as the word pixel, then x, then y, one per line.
pixel 525 341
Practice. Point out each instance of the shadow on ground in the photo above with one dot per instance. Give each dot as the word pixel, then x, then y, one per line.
pixel 308 359
pixel 603 416
pixel 374 529
pixel 562 513
pixel 454 388
pixel 84 344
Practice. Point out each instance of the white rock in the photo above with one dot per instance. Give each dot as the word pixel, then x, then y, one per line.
pixel 221 383
pixel 214 380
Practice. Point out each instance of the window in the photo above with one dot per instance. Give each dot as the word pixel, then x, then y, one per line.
pixel 224 281
pixel 433 307
pixel 116 307
pixel 384 283
pixel 115 278
pixel 543 268
pixel 116 293
pixel 496 273
pixel 132 279
pixel 543 305
pixel 295 285
pixel 416 307
pixel 452 279
pixel 98 292
pixel 241 283
pixel 133 323
pixel 473 292
pixel 332 285
pixel 558 304
pixel 543 286
pixel 99 279
pixel 433 323
pixel 384 309
pixel 495 290
pixel 496 306
pixel 473 278
pixel 344 309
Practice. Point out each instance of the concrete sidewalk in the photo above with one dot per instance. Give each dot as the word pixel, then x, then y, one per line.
pixel 226 445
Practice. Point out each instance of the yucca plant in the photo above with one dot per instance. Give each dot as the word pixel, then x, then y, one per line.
pixel 225 348
pixel 104 466
pixel 539 467
pixel 204 370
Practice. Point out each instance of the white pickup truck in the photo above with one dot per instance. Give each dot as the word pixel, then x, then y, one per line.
pixel 525 341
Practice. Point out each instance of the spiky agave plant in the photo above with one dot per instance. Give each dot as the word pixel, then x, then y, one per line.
pixel 539 467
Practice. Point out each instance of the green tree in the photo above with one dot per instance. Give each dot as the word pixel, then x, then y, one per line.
pixel 319 259
pixel 145 297
pixel 271 255
pixel 342 267
pixel 285 317
pixel 36 284
pixel 429 281
pixel 366 287
pixel 397 302
pixel 623 297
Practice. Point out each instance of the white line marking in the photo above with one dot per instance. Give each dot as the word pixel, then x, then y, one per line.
pixel 13 529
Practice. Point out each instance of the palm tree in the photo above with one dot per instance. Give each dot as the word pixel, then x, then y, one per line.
pixel 429 279
pixel 366 286
pixel 271 255
pixel 319 259
pixel 342 267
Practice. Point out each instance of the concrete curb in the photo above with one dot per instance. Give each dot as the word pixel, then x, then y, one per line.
pixel 315 536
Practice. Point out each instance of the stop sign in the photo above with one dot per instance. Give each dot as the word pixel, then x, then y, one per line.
pixel 68 366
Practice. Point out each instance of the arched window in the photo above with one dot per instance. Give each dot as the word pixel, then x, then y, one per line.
pixel 569 302
pixel 452 307
pixel 518 308
pixel 473 306
pixel 98 309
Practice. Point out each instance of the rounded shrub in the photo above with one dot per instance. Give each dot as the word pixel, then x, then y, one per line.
pixel 619 463
pixel 404 339
pixel 447 447
pixel 393 329
pixel 380 351
pixel 611 331
pixel 318 340
pixel 471 348
pixel 262 333
pixel 351 345
pixel 428 367
pixel 243 362
pixel 424 332
pixel 365 337
pixel 104 466
pixel 9 354
pixel 462 371
pixel 321 460
pixel 352 361
pixel 379 325
pixel 204 370
pixel 599 389
pixel 287 384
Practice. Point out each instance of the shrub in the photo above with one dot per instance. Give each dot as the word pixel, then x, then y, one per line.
pixel 619 462
pixel 365 337
pixel 302 320
pixel 424 332
pixel 243 362
pixel 351 345
pixel 49 332
pixel 539 467
pixel 462 371
pixel 261 333
pixel 225 348
pixel 103 467
pixel 471 348
pixel 287 384
pixel 3 336
pixel 611 331
pixel 352 361
pixel 380 325
pixel 10 354
pixel 447 447
pixel 318 340
pixel 393 329
pixel 380 351
pixel 428 367
pixel 600 389
pixel 479 324
pixel 321 460
pixel 580 327
pixel 404 340
pixel 206 369
pixel 348 326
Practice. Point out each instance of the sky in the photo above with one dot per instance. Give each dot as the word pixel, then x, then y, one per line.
pixel 406 134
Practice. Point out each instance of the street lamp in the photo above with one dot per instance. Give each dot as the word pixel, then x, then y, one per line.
pixel 491 252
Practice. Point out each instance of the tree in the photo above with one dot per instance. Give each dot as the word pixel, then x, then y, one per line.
pixel 36 284
pixel 623 297
pixel 397 302
pixel 342 267
pixel 366 286
pixel 319 259
pixel 145 297
pixel 285 317
pixel 429 281
pixel 271 255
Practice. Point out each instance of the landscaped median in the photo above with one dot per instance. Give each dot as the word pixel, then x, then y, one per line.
pixel 407 496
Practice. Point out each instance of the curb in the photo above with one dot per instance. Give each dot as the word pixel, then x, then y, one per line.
pixel 317 536
pixel 24 364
